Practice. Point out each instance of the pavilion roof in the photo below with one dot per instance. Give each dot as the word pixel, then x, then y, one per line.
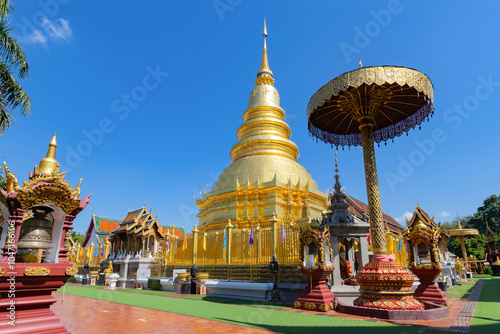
pixel 102 226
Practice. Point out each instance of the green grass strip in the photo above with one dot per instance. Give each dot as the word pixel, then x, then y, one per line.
pixel 482 276
pixel 236 301
pixel 264 318
pixel 487 316
pixel 463 295
pixel 151 292
pixel 462 288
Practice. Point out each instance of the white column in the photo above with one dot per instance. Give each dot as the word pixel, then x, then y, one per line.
pixel 363 252
pixel 334 243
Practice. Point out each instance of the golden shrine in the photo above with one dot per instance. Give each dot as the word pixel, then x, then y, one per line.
pixel 253 211
pixel 427 244
pixel 36 218
pixel 264 176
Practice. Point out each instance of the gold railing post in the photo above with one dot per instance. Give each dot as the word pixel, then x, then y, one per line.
pixel 259 242
pixel 195 243
pixel 274 234
pixel 229 228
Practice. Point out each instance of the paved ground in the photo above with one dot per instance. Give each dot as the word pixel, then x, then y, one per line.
pixel 85 315
pixel 82 315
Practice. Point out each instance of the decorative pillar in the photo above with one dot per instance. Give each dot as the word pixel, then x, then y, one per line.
pixel 229 228
pixel 363 251
pixel 464 251
pixel 274 234
pixel 67 226
pixel 16 216
pixel 379 246
pixel 259 242
pixel 334 244
pixel 195 244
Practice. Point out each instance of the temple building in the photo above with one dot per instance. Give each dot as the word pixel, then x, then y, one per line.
pixel 264 176
pixel 99 229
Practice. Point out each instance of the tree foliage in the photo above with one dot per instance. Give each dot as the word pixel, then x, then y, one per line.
pixel 77 237
pixel 474 246
pixel 12 61
pixel 3 180
pixel 489 211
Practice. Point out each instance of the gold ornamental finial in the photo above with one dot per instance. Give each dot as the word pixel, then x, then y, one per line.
pixel 360 63
pixel 265 75
pixel 49 163
pixel 336 166
pixel 458 220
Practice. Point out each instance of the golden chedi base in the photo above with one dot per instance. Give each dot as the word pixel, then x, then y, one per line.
pixel 386 285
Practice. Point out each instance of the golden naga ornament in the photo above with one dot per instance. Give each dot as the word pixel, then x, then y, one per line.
pixel 2 272
pixel 71 271
pixel 37 271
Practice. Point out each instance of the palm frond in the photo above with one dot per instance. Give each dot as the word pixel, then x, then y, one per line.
pixel 11 92
pixel 6 118
pixel 6 8
pixel 11 51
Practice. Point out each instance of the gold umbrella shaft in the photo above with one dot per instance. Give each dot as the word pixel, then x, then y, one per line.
pixel 379 245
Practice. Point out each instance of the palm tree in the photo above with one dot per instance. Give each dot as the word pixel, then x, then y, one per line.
pixel 12 60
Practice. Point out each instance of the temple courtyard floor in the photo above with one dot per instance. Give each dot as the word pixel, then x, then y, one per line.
pixel 92 309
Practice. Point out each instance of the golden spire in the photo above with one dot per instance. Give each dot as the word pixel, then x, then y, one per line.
pixel 458 220
pixel 265 75
pixel 49 163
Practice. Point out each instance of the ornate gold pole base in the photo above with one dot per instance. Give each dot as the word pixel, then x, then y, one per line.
pixel 386 285
pixel 383 283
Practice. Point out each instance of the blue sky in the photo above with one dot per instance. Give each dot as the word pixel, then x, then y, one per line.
pixel 146 99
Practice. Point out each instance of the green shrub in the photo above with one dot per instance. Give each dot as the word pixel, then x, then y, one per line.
pixel 488 270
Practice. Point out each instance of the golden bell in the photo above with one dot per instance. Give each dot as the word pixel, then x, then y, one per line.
pixel 36 232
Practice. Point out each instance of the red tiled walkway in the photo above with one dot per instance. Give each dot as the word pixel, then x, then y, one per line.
pixel 82 315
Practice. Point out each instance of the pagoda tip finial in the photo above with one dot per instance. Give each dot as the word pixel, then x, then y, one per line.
pixel 360 63
pixel 265 29
pixel 265 75
pixel 458 220
pixel 49 163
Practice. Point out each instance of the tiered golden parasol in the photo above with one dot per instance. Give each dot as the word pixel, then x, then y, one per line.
pixel 461 233
pixel 367 105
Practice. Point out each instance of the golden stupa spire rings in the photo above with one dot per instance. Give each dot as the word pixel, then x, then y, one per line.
pixel 265 75
pixel 49 163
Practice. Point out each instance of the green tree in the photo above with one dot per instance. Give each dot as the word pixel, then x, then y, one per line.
pixel 490 211
pixel 77 237
pixel 474 246
pixel 12 60
pixel 3 180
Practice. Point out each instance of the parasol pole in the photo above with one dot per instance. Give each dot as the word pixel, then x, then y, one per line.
pixel 379 245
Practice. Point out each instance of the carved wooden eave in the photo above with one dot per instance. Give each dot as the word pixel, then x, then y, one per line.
pixel 43 188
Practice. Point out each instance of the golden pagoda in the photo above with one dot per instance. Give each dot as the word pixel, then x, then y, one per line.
pixel 264 176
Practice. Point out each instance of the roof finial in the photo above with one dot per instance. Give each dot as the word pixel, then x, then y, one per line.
pixel 360 63
pixel 265 75
pixel 49 163
pixel 337 186
pixel 458 220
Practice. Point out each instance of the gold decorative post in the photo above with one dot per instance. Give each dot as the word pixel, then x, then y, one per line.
pixel 274 234
pixel 195 244
pixel 229 228
pixel 379 245
pixel 258 242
